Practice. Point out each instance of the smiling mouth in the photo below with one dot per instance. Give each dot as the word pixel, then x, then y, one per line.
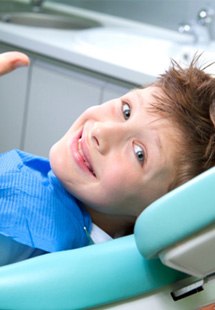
pixel 81 146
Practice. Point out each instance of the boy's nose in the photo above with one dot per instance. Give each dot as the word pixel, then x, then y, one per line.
pixel 106 135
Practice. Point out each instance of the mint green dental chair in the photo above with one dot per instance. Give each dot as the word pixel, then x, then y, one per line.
pixel 171 241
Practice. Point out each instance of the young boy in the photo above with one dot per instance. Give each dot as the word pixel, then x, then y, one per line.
pixel 113 162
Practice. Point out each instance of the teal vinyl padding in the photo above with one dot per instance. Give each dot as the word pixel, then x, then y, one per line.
pixel 178 215
pixel 82 278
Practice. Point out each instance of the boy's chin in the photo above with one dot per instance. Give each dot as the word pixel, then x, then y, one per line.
pixel 51 152
pixel 54 158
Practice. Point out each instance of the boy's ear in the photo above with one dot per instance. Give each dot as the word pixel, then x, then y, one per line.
pixel 212 112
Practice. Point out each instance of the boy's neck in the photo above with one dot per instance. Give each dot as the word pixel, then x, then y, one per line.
pixel 113 225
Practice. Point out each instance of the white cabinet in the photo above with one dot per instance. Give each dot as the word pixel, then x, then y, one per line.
pixel 13 92
pixel 57 96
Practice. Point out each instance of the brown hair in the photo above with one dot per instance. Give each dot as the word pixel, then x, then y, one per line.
pixel 189 100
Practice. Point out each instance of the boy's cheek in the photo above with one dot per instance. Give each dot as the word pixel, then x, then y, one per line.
pixel 115 185
pixel 119 176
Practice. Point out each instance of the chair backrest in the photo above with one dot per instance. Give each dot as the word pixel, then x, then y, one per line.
pixel 83 278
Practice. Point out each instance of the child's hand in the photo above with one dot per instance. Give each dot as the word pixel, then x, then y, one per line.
pixel 12 60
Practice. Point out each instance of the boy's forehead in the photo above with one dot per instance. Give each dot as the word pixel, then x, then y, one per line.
pixel 149 90
pixel 145 94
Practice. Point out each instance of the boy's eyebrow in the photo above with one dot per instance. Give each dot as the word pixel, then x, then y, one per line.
pixel 132 92
pixel 136 92
pixel 140 100
pixel 158 142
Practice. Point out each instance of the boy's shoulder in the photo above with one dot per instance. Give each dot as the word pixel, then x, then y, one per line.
pixel 15 160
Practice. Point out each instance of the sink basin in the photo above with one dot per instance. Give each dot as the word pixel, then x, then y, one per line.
pixel 45 20
pixel 25 14
pixel 139 52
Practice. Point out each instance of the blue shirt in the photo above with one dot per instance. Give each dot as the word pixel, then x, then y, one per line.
pixel 35 209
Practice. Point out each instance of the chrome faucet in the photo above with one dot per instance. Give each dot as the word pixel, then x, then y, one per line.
pixel 36 4
pixel 199 28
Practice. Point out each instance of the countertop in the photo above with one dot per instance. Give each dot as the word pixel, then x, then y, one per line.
pixel 130 51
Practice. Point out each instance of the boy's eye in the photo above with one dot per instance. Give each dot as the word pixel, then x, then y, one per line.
pixel 126 110
pixel 139 152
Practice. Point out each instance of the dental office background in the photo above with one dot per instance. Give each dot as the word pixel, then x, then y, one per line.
pixel 74 69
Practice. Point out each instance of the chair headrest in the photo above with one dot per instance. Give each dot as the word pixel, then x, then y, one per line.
pixel 177 215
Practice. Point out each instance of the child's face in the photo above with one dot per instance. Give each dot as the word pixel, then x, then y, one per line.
pixel 118 157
